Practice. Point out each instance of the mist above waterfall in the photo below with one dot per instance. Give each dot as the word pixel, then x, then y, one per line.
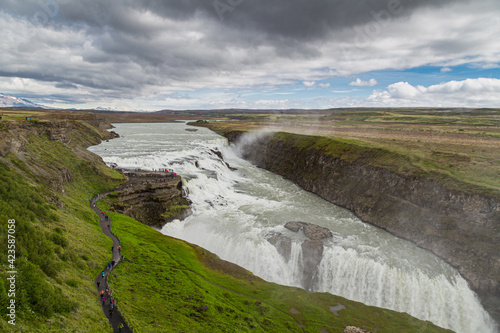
pixel 243 145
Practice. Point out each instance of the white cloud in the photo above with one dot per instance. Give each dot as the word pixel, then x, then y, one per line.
pixel 343 91
pixel 309 84
pixel 480 92
pixel 361 83
pixel 272 104
pixel 324 85
pixel 446 69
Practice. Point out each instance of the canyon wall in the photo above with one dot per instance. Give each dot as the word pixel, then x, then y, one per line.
pixel 462 226
pixel 151 198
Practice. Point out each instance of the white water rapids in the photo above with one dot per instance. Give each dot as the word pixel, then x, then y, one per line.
pixel 234 211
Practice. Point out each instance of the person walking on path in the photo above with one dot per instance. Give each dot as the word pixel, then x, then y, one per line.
pixel 119 250
pixel 113 315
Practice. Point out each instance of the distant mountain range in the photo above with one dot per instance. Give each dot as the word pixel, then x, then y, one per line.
pixel 11 101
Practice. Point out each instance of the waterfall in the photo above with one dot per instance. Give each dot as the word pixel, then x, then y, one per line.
pixel 235 211
pixel 448 302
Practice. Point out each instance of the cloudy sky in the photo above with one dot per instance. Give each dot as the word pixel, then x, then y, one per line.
pixel 207 54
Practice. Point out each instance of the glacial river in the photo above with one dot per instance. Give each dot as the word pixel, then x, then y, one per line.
pixel 235 210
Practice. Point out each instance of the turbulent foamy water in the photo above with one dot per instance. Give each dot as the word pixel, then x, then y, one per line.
pixel 233 211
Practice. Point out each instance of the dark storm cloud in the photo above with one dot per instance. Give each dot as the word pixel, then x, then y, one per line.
pixel 313 19
pixel 296 19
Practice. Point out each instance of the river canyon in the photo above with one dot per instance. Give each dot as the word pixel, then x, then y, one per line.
pixel 239 212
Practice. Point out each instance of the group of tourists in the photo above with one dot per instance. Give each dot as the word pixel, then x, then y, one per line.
pixel 105 295
pixel 104 292
pixel 172 174
pixel 161 170
pixel 119 252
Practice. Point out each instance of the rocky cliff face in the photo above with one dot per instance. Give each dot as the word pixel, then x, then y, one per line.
pixel 460 227
pixel 151 198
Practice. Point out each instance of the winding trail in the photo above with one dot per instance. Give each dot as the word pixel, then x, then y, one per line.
pixel 116 318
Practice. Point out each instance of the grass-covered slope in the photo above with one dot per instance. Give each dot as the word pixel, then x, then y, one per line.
pixel 45 186
pixel 167 285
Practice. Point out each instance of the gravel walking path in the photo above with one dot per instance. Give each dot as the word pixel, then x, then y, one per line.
pixel 116 318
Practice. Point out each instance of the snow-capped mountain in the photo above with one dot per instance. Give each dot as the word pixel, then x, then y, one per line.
pixel 11 101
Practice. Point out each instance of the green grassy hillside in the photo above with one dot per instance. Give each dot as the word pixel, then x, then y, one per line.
pixel 168 285
pixel 45 188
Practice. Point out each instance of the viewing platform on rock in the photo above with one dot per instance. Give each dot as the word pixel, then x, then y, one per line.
pixel 137 178
pixel 137 173
pixel 151 197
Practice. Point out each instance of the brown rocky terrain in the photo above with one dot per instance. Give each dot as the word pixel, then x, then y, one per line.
pixel 153 198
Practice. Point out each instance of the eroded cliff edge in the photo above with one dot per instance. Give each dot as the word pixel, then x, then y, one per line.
pixel 152 198
pixel 460 224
